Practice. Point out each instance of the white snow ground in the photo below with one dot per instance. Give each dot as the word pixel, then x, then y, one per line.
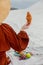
pixel 16 19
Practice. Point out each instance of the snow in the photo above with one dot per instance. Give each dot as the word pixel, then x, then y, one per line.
pixel 16 19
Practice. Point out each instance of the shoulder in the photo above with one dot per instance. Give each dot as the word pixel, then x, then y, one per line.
pixel 6 25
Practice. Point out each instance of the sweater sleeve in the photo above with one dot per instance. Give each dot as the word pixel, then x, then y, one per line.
pixel 18 41
pixel 24 39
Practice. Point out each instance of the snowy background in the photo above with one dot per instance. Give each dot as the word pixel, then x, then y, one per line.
pixel 16 19
pixel 20 4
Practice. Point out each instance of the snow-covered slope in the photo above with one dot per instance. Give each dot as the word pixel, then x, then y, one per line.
pixel 16 19
pixel 36 29
pixel 20 4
